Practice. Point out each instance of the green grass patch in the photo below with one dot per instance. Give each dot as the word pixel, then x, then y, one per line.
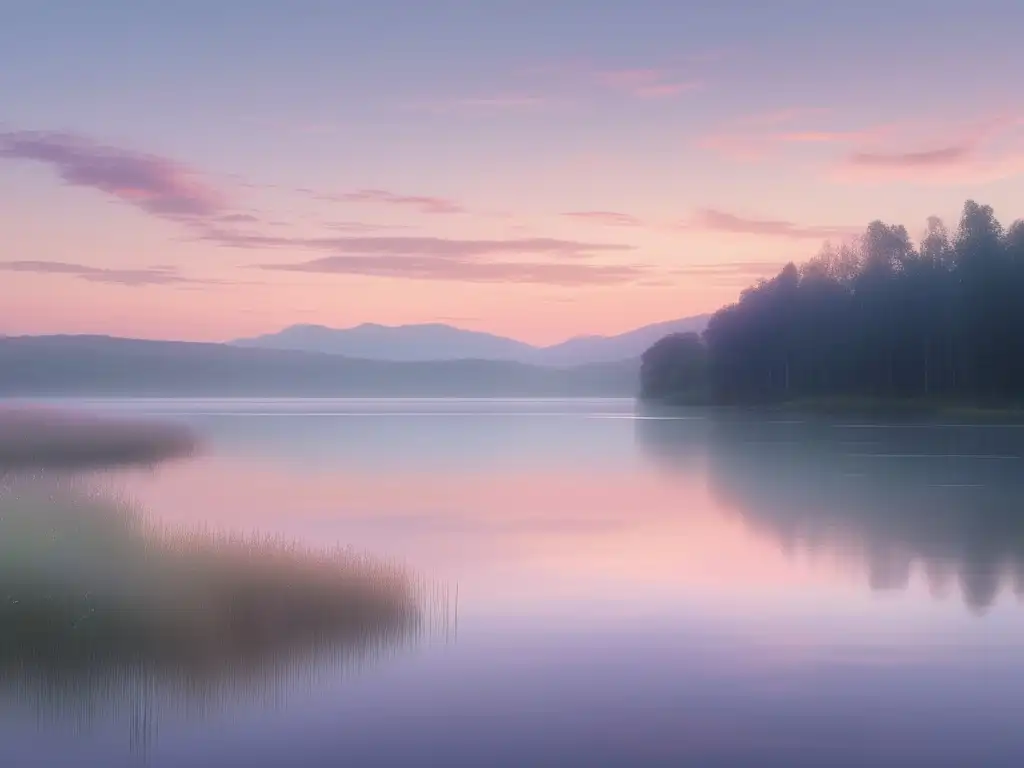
pixel 88 588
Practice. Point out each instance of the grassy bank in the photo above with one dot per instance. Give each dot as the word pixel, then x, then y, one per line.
pixel 88 588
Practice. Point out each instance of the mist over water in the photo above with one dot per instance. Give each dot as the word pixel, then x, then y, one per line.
pixel 634 587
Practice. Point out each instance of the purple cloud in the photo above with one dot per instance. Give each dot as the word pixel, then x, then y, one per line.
pixel 439 258
pixel 611 218
pixel 153 184
pixel 428 268
pixel 930 158
pixel 422 203
pixel 238 218
pixel 128 277
pixel 721 221
pixel 362 226
pixel 431 247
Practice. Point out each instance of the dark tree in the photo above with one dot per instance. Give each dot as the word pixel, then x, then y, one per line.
pixel 673 367
pixel 876 317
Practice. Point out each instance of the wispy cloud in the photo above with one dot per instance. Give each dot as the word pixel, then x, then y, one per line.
pixel 649 82
pixel 752 147
pixel 153 184
pixel 238 218
pixel 754 137
pixel 928 158
pixel 466 270
pixel 610 218
pixel 363 226
pixel 722 221
pixel 646 83
pixel 421 203
pixel 438 247
pixel 914 150
pixel 128 277
pixel 521 260
pixel 560 84
pixel 987 151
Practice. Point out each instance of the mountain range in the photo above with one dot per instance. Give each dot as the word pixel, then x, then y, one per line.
pixel 313 361
pixel 438 342
pixel 90 366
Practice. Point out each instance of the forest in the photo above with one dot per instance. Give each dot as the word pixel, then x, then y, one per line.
pixel 879 316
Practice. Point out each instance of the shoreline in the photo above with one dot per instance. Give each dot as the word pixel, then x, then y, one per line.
pixel 855 407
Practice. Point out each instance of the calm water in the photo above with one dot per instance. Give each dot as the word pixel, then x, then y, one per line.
pixel 665 589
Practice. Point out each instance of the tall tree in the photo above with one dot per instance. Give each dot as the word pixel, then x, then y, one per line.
pixel 876 316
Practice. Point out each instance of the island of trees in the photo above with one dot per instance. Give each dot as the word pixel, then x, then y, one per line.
pixel 878 318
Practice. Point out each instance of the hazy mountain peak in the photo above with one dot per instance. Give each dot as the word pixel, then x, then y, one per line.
pixel 439 341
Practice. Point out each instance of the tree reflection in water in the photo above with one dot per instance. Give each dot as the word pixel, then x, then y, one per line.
pixel 945 497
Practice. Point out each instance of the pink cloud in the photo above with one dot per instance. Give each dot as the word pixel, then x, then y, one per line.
pixel 362 226
pixel 757 146
pixel 722 221
pixel 424 204
pixel 817 137
pixel 985 150
pixel 943 156
pixel 610 218
pixel 646 83
pixel 754 137
pixel 463 270
pixel 564 262
pixel 128 277
pixel 988 151
pixel 929 167
pixel 436 247
pixel 154 184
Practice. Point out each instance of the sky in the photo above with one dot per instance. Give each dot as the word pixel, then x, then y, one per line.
pixel 537 169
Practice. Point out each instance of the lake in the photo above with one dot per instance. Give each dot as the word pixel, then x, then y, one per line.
pixel 623 588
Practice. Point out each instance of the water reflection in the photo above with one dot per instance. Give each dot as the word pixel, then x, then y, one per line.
pixel 108 618
pixel 34 438
pixel 942 500
pixel 632 593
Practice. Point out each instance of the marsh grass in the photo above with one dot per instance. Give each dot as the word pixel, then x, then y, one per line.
pixel 95 602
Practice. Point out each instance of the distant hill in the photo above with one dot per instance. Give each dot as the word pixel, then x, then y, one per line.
pixel 104 366
pixel 404 343
pixel 632 344
pixel 435 342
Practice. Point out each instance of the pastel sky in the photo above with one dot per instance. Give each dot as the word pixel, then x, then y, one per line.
pixel 207 170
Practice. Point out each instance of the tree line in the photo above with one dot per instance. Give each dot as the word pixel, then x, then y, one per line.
pixel 878 316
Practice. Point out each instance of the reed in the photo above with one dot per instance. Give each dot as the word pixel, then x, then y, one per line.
pixel 87 585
